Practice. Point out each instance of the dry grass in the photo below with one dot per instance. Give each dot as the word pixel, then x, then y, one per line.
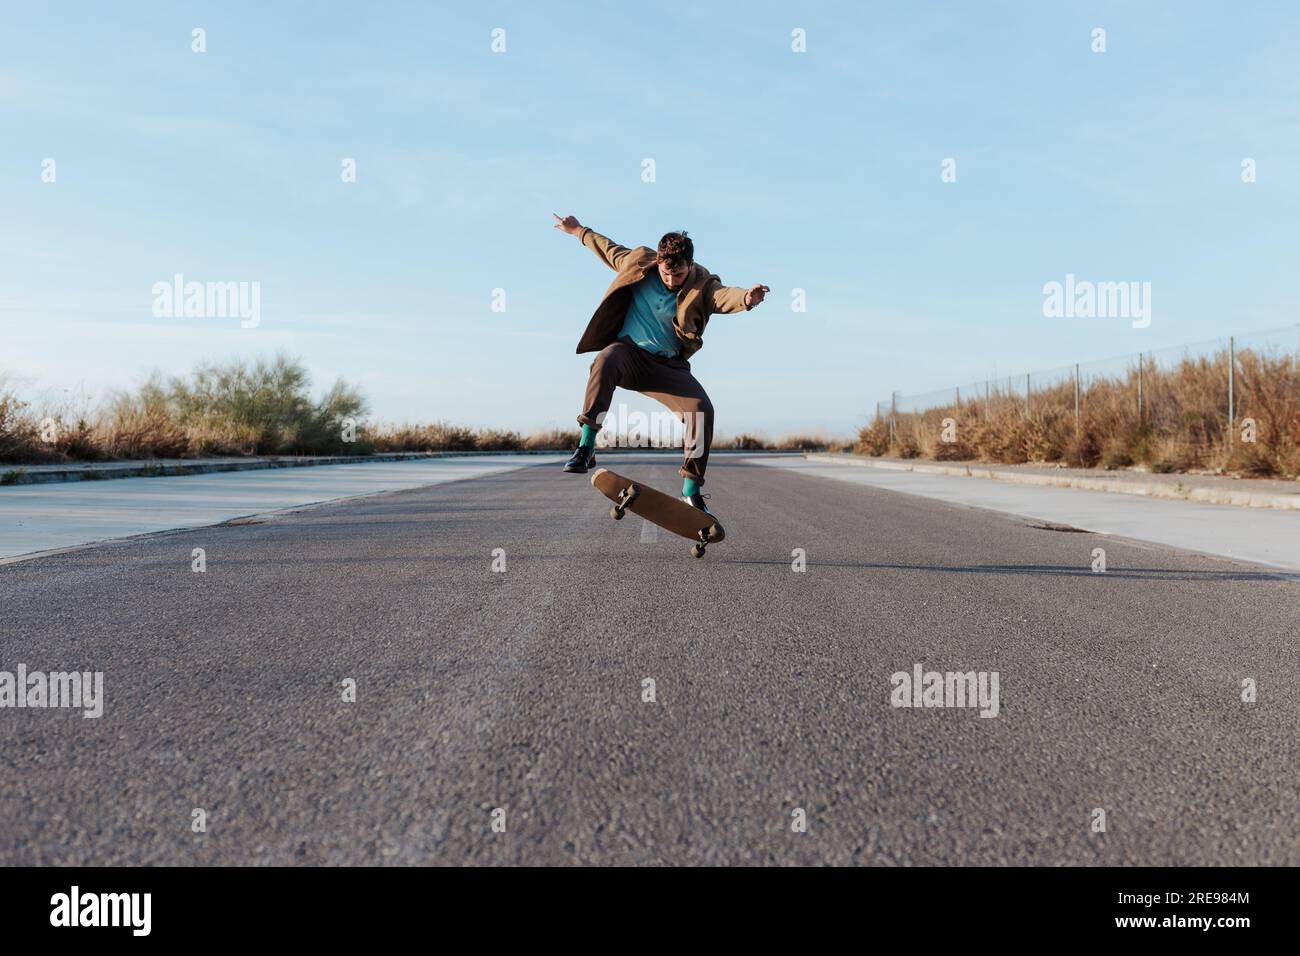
pixel 1183 425
pixel 439 436
pixel 815 441
pixel 20 438
pixel 231 409
pixel 555 439
pixel 442 436
pixel 235 408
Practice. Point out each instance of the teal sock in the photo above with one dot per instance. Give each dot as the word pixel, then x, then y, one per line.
pixel 588 438
pixel 690 487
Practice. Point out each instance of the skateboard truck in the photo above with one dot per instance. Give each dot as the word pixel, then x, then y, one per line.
pixel 697 550
pixel 625 498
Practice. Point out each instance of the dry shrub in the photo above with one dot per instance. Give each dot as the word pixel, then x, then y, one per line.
pixel 1083 450
pixel 490 439
pixel 439 436
pixel 78 440
pixel 1182 424
pixel 231 408
pixel 557 439
pixel 1116 453
pixel 1269 394
pixel 906 445
pixel 797 442
pixel 744 442
pixel 141 426
pixel 873 439
pixel 20 438
pixel 1001 437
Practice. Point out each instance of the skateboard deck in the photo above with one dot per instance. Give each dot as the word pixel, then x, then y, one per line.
pixel 671 514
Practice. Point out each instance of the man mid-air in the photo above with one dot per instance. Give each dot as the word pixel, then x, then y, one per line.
pixel 649 323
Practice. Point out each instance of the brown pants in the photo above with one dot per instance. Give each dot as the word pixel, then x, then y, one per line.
pixel 624 365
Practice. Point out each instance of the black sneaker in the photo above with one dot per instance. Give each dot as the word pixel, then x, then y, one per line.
pixel 697 501
pixel 583 458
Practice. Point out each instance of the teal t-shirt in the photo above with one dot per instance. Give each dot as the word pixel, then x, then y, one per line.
pixel 650 315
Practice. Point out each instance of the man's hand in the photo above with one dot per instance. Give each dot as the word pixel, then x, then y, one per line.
pixel 569 224
pixel 755 295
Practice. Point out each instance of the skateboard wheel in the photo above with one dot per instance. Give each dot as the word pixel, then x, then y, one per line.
pixel 697 550
pixel 615 513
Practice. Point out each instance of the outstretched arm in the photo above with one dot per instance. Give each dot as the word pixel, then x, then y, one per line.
pixel 727 298
pixel 607 250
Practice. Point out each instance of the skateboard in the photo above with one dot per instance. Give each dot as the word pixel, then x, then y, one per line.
pixel 671 514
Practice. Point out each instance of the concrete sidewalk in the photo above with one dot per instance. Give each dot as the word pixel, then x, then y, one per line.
pixel 1208 489
pixel 1258 535
pixel 159 467
pixel 48 517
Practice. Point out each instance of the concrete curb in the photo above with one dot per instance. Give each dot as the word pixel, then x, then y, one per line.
pixel 104 470
pixel 1117 485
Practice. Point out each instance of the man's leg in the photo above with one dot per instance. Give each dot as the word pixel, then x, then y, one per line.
pixel 681 391
pixel 617 364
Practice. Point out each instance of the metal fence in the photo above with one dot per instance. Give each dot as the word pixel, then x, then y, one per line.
pixel 1071 382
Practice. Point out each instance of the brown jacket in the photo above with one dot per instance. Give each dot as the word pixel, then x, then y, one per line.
pixel 701 296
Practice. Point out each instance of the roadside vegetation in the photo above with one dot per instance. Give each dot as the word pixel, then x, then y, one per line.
pixel 796 442
pixel 233 408
pixel 263 407
pixel 1180 425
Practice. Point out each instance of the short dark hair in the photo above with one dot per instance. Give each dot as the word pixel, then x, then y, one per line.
pixel 675 249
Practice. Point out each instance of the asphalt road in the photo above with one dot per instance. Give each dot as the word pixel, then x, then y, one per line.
pixel 523 689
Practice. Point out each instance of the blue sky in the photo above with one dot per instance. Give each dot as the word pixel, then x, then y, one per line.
pixel 817 171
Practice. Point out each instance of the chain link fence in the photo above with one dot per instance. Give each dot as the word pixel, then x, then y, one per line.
pixel 1027 388
pixel 1220 388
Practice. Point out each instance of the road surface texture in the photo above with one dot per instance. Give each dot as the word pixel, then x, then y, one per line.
pixel 522 690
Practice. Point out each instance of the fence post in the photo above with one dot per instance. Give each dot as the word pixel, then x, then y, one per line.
pixel 1232 363
pixel 1076 394
pixel 893 416
pixel 986 397
pixel 1140 418
pixel 1027 409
